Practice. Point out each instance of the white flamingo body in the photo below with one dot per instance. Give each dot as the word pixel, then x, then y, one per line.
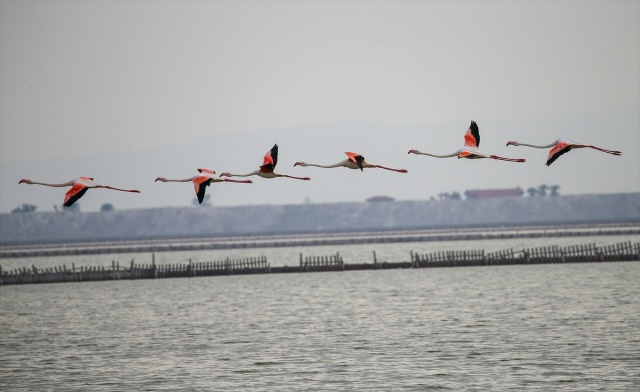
pixel 355 161
pixel 267 170
pixel 79 187
pixel 562 146
pixel 470 149
pixel 467 152
pixel 258 173
pixel 202 181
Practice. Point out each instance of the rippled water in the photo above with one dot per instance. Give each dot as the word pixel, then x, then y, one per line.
pixel 569 327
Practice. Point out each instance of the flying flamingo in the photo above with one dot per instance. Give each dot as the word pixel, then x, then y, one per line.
pixel 267 168
pixel 354 161
pixel 79 187
pixel 470 149
pixel 202 181
pixel 562 146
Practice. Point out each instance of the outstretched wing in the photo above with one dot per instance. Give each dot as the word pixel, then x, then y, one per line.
pixel 557 150
pixel 270 159
pixel 74 194
pixel 472 137
pixel 200 184
pixel 356 158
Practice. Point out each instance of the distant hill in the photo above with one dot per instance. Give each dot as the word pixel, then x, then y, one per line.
pixel 33 227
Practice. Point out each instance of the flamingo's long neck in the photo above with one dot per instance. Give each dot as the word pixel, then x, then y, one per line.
pixel 339 164
pixel 534 146
pixel 455 154
pixel 172 180
pixel 253 173
pixel 69 183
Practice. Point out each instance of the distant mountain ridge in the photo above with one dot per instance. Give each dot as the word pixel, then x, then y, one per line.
pixel 36 227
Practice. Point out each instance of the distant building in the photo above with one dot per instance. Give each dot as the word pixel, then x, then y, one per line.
pixel 379 198
pixel 489 193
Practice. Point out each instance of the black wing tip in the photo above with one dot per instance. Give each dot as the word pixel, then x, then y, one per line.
pixel 558 154
pixel 201 191
pixel 75 197
pixel 475 132
pixel 274 155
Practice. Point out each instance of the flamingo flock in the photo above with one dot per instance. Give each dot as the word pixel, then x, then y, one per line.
pixel 355 161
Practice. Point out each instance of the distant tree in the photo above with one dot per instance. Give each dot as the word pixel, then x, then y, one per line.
pixel 24 208
pixel 532 192
pixel 542 190
pixel 106 207
pixel 455 196
pixel 554 190
pixel 444 196
pixel 206 202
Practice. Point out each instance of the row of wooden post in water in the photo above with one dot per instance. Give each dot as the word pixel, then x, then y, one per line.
pixel 625 251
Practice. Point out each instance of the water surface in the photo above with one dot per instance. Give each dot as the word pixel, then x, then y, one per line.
pixel 563 327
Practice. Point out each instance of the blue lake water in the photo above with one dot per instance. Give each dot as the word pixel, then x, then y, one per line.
pixel 560 327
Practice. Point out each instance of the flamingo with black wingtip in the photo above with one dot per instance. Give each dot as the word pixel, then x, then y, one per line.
pixel 79 187
pixel 470 149
pixel 266 170
pixel 562 146
pixel 202 181
pixel 353 161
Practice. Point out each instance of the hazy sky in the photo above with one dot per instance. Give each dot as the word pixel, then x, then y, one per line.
pixel 128 91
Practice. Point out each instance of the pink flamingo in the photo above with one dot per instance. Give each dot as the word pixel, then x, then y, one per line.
pixel 562 146
pixel 354 161
pixel 267 168
pixel 470 149
pixel 79 187
pixel 202 181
